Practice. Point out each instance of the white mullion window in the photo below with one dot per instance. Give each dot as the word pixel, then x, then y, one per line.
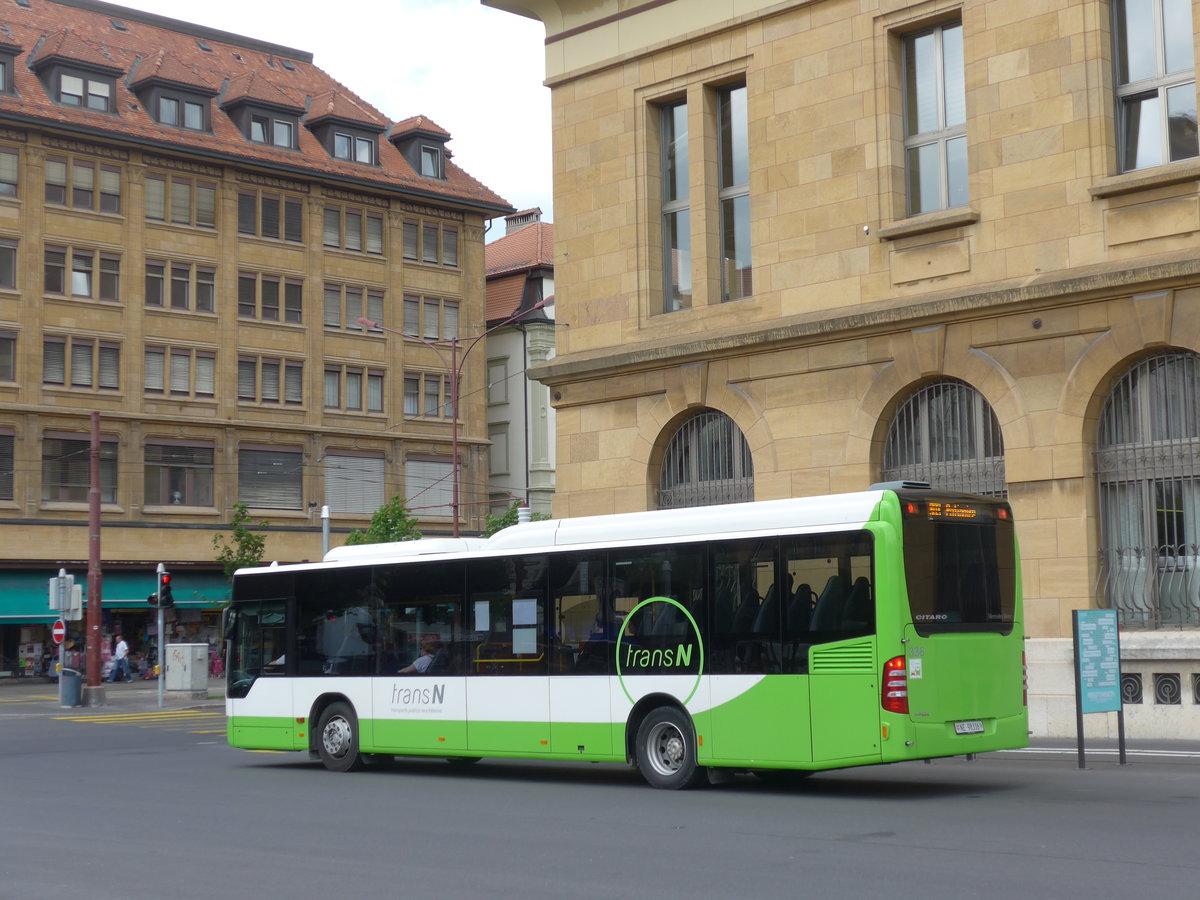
pixel 676 208
pixel 935 119
pixel 1156 82
pixel 733 161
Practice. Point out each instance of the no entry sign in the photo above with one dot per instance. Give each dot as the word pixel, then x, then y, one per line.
pixel 59 631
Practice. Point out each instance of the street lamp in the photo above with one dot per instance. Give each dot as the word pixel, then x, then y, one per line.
pixel 454 367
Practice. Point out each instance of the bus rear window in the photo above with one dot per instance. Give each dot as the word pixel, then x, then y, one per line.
pixel 960 568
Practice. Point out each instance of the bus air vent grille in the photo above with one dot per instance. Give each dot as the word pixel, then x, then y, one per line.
pixel 845 658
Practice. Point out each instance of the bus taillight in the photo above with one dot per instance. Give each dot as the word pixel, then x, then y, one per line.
pixel 895 685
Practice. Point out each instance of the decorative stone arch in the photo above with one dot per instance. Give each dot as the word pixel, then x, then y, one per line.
pixel 689 390
pixel 921 356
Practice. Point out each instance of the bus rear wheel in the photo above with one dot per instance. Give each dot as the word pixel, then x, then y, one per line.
pixel 666 750
pixel 337 738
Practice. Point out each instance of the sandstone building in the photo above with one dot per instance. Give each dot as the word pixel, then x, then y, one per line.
pixel 807 246
pixel 191 225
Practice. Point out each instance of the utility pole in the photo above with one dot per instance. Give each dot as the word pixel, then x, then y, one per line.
pixel 93 692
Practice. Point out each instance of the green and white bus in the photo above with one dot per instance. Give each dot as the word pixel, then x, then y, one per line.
pixel 788 635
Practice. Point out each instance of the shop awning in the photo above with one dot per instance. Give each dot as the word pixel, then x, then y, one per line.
pixel 24 596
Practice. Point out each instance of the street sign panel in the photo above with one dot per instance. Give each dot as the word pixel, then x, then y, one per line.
pixel 59 631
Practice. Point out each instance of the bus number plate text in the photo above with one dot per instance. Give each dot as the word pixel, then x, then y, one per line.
pixel 970 726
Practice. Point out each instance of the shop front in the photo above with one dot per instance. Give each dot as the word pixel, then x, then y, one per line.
pixel 26 647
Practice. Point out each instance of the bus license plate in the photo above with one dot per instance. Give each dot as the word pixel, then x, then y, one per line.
pixel 971 726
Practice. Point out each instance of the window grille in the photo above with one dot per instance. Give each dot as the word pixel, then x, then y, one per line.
pixel 947 434
pixel 1148 475
pixel 707 461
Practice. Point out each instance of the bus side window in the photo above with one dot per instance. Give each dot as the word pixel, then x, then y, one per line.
pixel 748 600
pixel 583 612
pixel 834 598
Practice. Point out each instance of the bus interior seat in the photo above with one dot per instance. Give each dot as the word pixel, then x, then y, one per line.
pixel 743 618
pixel 766 622
pixel 827 613
pixel 799 611
pixel 857 613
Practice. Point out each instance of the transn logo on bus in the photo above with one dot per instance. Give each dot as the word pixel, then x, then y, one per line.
pixel 406 698
pixel 659 637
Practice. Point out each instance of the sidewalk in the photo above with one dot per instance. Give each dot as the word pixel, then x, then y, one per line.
pixel 40 695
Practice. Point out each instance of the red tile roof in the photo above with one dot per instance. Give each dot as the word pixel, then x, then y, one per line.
pixel 527 248
pixel 336 105
pixel 504 296
pixel 242 68
pixel 164 66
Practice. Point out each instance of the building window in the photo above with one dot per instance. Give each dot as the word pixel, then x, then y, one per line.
pixel 344 306
pixel 271 215
pixel 88 92
pixel 7 465
pixel 1148 474
pixel 430 243
pixel 276 132
pixel 182 286
pixel 8 356
pixel 178 475
pixel 429 487
pixel 497 382
pixel 498 463
pixel 269 380
pixel 181 201
pixel 270 298
pixel 270 479
pixel 354 485
pixel 66 470
pixel 947 434
pixel 180 371
pixel 431 162
pixel 8 263
pixel 354 229
pixel 81 362
pixel 676 212
pixel 707 461
pixel 6 66
pixel 83 184
pixel 179 112
pixel 1156 82
pixel 75 269
pixel 354 148
pixel 353 389
pixel 427 396
pixel 430 318
pixel 734 193
pixel 935 119
pixel 9 172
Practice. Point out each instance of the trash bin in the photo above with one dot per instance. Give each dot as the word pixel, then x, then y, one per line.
pixel 70 691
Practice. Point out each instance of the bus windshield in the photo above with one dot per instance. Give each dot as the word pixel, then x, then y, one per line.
pixel 959 565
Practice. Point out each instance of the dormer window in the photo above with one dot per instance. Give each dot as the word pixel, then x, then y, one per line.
pixel 6 70
pixel 353 148
pixel 431 161
pixel 181 113
pixel 86 91
pixel 275 131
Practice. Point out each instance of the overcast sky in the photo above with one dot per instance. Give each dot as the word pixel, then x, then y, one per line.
pixel 475 71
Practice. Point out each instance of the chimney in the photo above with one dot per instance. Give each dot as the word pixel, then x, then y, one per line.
pixel 519 220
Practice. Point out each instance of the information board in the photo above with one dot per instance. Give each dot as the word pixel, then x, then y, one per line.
pixel 1098 660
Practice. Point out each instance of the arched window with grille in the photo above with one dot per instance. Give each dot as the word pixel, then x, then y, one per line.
pixel 947 434
pixel 707 461
pixel 1148 475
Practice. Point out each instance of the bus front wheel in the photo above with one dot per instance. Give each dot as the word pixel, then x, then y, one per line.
pixel 337 738
pixel 666 750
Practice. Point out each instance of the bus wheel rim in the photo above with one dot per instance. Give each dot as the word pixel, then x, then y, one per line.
pixel 667 748
pixel 336 736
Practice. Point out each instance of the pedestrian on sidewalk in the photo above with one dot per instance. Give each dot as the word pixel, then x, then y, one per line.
pixel 121 660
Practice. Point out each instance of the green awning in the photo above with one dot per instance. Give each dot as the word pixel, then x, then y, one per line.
pixel 24 596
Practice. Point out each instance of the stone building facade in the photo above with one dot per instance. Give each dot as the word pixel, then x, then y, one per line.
pixel 863 240
pixel 191 225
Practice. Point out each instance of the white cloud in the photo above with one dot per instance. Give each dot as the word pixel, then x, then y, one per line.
pixel 475 71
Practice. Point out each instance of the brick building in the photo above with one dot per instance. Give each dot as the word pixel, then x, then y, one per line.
pixel 806 246
pixel 191 224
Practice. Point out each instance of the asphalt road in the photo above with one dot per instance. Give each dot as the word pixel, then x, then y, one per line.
pixel 154 804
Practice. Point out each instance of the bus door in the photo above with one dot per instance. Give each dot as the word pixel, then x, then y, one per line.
pixel 260 693
pixel 835 625
pixel 582 636
pixel 508 693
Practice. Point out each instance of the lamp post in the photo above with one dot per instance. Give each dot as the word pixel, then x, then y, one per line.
pixel 454 366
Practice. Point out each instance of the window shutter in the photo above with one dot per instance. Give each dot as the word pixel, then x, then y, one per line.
pixel 247 379
pixel 181 202
pixel 354 484
pixel 429 488
pixel 450 320
pixel 375 306
pixel 333 228
pixel 81 363
pixel 374 232
pixel 410 240
pixel 354 308
pixel 180 371
pixel 294 383
pixel 333 380
pixel 110 366
pixel 206 206
pixel 206 374
pixel 54 362
pixel 154 370
pixel 247 214
pixel 270 380
pixel 450 246
pixel 293 220
pixel 156 197
pixel 270 479
pixel 333 306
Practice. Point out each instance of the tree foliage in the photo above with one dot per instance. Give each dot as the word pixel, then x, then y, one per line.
pixel 391 522
pixel 507 518
pixel 243 547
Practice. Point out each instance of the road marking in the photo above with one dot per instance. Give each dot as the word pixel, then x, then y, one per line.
pixel 1074 751
pixel 161 720
pixel 28 697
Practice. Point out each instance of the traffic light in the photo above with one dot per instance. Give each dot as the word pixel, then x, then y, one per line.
pixel 153 599
pixel 165 600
